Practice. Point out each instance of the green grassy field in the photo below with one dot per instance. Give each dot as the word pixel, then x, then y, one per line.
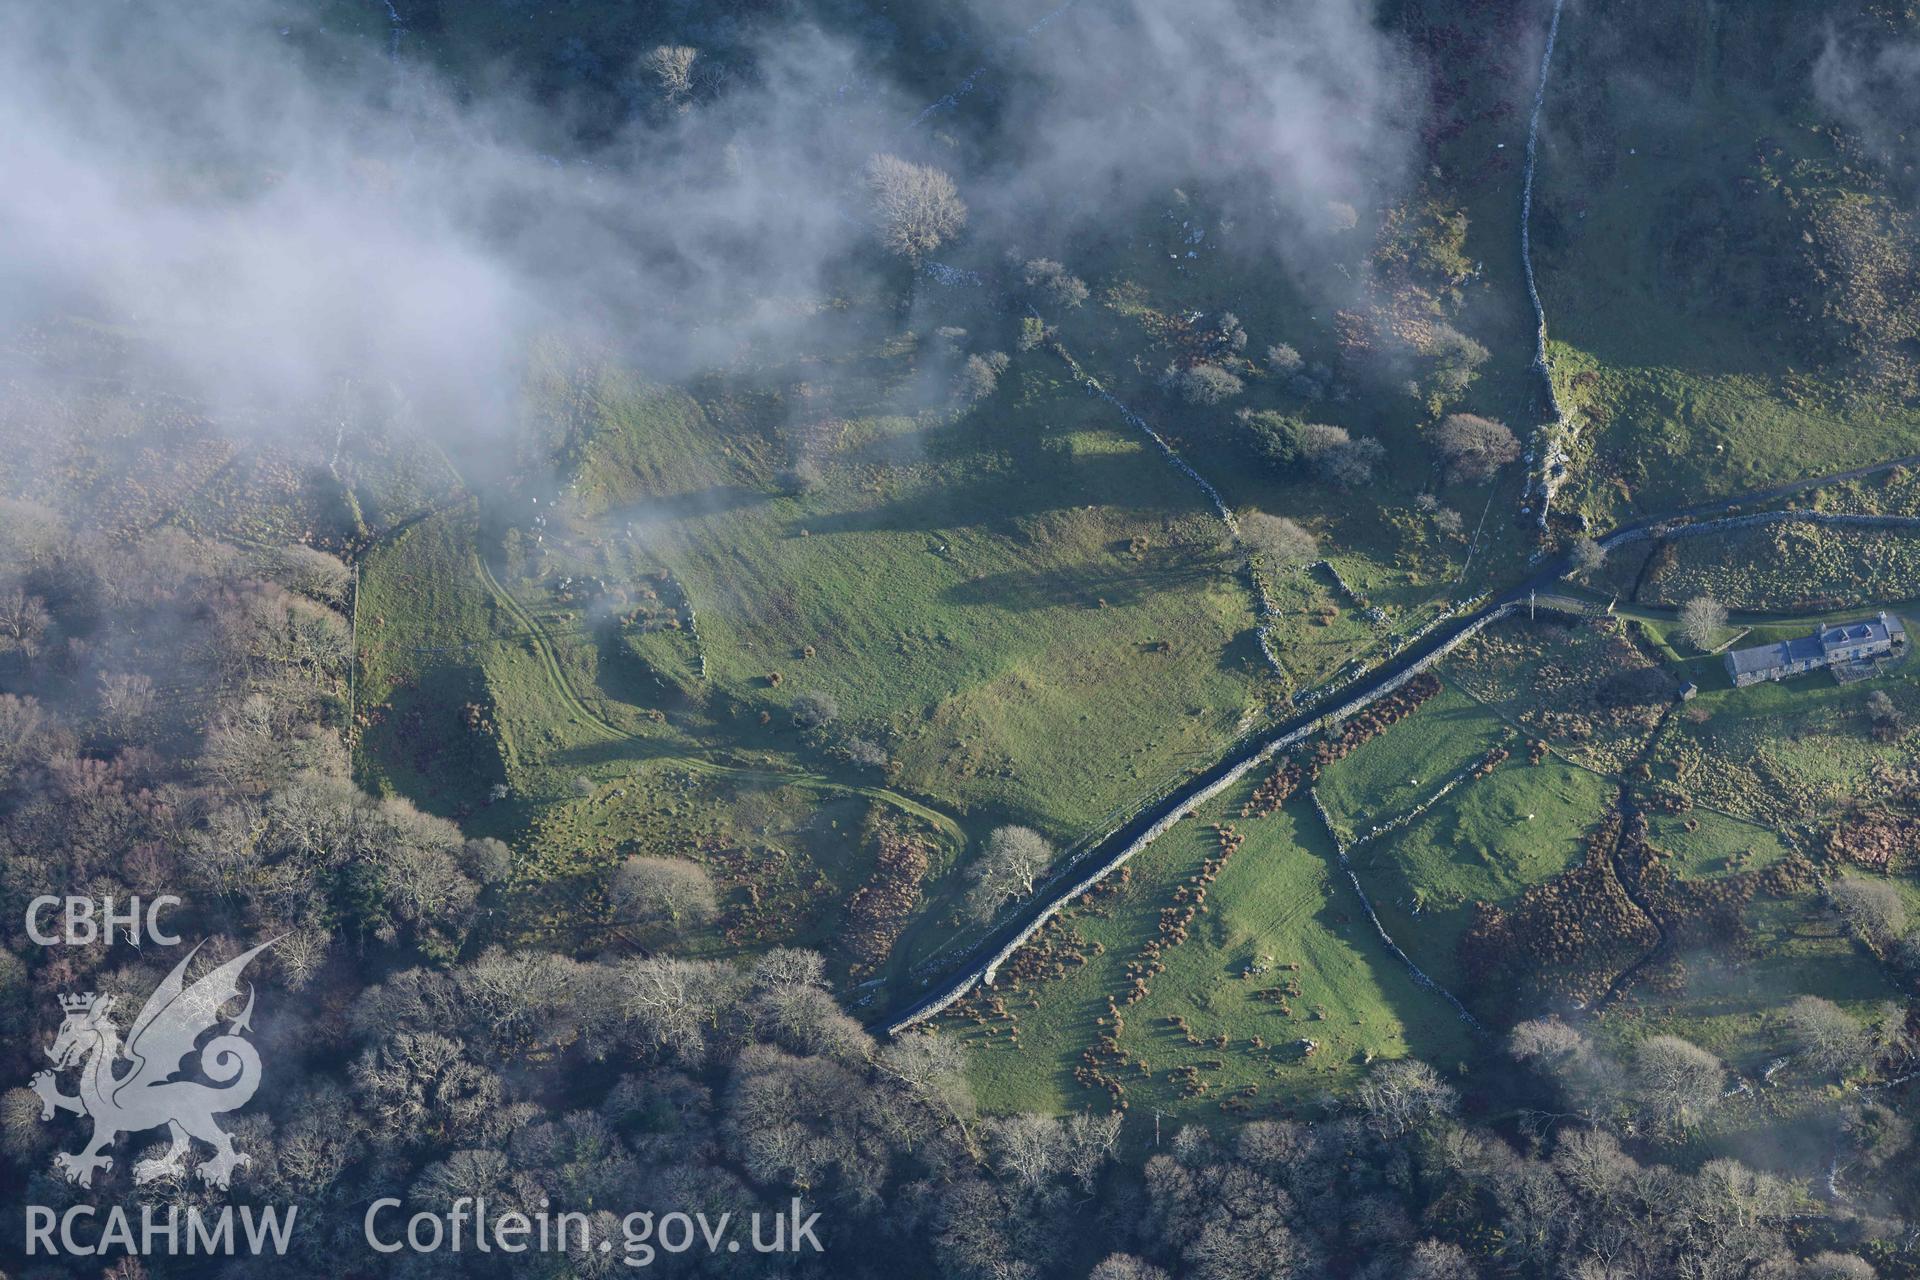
pixel 1001 600
pixel 1488 841
pixel 1588 689
pixel 1394 771
pixel 1280 901
pixel 1729 996
pixel 1706 844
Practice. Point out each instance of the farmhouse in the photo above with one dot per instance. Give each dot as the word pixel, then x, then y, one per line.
pixel 1841 647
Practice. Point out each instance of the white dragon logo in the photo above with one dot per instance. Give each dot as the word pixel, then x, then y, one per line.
pixel 172 1021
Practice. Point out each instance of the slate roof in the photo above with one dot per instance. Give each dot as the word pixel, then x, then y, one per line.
pixel 1813 648
pixel 1769 657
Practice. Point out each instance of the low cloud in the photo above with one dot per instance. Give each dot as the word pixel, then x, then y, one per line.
pixel 271 209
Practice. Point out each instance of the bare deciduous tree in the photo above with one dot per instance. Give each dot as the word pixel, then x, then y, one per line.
pixel 663 891
pixel 1588 555
pixel 1676 1082
pixel 1125 1266
pixel 930 1064
pixel 1053 283
pixel 1027 1148
pixel 1828 1265
pixel 670 67
pixel 1336 456
pixel 1872 909
pixel 1087 1143
pixel 1014 858
pixel 125 699
pixel 24 620
pixel 1279 540
pixel 313 574
pixel 1438 1260
pixel 1701 621
pixel 980 375
pixel 1474 447
pixel 918 207
pixel 1829 1038
pixel 1203 383
pixel 672 1006
pixel 1884 716
pixel 1399 1097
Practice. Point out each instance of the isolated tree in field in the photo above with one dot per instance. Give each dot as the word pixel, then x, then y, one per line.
pixel 1053 283
pixel 1014 858
pixel 1828 1038
pixel 1872 909
pixel 1588 555
pixel 1280 541
pixel 917 206
pixel 1474 447
pixel 1701 621
pixel 663 891
pixel 1676 1081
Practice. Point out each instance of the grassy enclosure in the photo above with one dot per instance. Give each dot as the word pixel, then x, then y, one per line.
pixel 1281 955
pixel 1486 842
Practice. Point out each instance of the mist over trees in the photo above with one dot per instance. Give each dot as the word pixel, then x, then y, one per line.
pixel 177 712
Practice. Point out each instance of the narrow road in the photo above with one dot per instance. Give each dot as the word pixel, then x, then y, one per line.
pixel 1650 525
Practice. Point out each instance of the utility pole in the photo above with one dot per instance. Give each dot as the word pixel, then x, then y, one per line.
pixel 1530 595
pixel 1156 1126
